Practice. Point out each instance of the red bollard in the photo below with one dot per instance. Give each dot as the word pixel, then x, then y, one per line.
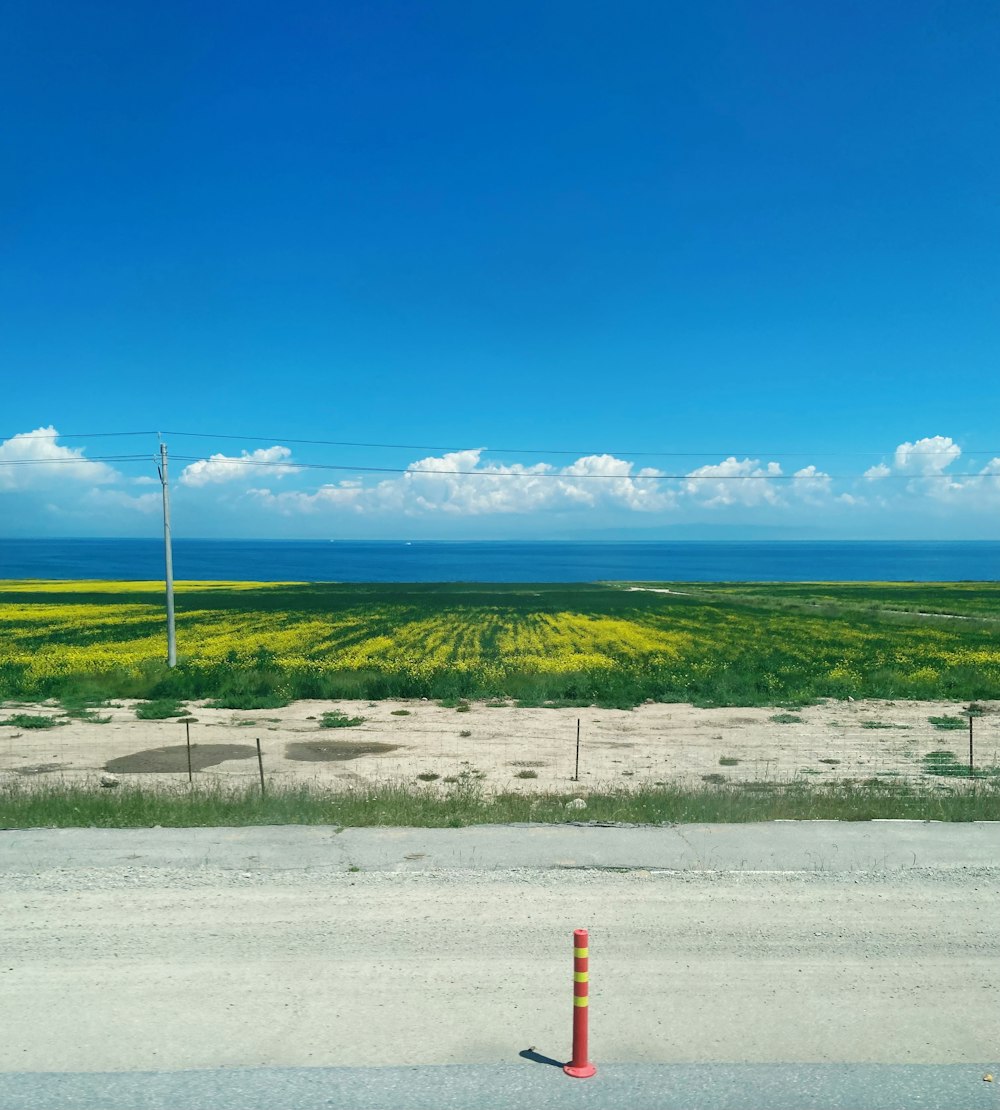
pixel 580 1067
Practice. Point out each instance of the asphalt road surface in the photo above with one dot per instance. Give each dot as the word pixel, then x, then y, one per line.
pixel 818 964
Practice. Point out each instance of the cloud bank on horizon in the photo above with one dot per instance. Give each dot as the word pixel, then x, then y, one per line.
pixel 60 490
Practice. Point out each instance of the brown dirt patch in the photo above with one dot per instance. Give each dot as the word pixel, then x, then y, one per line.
pixel 38 768
pixel 334 751
pixel 173 759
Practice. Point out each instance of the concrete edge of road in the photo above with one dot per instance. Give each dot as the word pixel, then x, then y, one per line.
pixel 516 1086
pixel 793 846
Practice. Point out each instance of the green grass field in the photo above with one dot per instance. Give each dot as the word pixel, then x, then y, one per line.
pixel 614 645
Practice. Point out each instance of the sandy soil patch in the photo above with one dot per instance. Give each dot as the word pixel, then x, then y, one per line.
pixel 503 747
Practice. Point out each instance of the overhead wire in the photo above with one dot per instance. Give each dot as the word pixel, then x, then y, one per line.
pixel 286 465
pixel 277 439
pixel 73 435
pixel 77 459
pixel 362 445
pixel 559 474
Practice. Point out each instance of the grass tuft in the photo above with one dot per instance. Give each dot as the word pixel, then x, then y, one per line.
pixel 945 764
pixel 335 719
pixel 32 720
pixel 159 709
pixel 947 723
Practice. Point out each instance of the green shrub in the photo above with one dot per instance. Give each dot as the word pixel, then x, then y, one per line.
pixel 248 701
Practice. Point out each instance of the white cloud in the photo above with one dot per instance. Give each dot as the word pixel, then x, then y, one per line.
pixel 734 482
pixel 36 460
pixel 460 484
pixel 291 502
pixel 932 455
pixel 927 460
pixel 811 484
pixel 228 468
pixel 987 484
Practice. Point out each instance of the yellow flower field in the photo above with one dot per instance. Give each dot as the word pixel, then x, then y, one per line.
pixel 736 645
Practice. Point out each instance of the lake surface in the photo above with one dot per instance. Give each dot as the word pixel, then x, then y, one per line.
pixel 498 561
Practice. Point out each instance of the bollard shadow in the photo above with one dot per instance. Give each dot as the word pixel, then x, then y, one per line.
pixel 537 1058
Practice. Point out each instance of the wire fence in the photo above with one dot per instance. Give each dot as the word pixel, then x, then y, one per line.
pixel 520 749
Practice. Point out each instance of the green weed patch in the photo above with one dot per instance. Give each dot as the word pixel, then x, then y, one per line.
pixel 336 719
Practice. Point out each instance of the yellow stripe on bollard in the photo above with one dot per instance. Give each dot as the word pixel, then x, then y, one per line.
pixel 580 1001
pixel 580 953
pixel 581 976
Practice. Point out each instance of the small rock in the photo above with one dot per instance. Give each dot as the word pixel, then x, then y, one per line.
pixel 109 780
pixel 987 1078
pixel 576 803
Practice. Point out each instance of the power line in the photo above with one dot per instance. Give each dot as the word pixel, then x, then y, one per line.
pixel 580 452
pixel 454 449
pixel 74 435
pixel 557 474
pixel 521 474
pixel 77 459
pixel 544 450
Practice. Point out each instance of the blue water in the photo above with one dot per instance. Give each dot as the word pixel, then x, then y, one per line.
pixel 495 561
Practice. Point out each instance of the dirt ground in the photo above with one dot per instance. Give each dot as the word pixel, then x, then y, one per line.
pixel 502 747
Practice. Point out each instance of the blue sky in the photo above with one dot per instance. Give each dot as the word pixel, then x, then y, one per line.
pixel 740 236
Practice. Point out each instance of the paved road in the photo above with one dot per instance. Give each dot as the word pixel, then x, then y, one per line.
pixel 790 944
pixel 828 846
pixel 514 1087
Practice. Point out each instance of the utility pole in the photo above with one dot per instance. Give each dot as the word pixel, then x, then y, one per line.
pixel 171 634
